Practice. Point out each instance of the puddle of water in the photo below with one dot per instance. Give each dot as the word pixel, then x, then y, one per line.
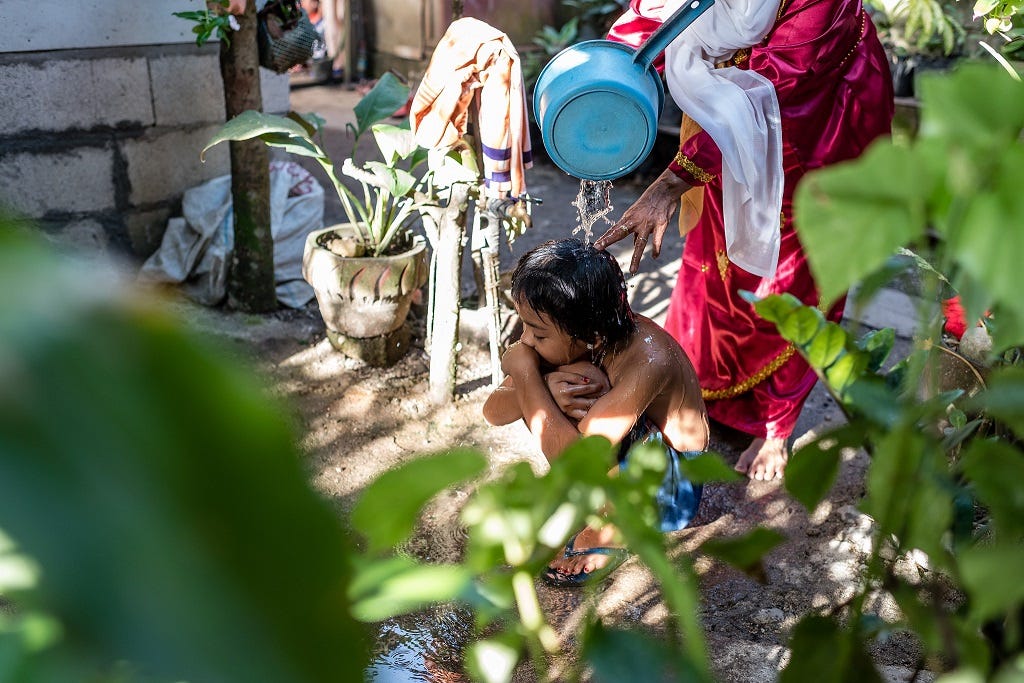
pixel 421 648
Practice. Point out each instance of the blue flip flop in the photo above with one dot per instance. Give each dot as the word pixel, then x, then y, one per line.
pixel 553 577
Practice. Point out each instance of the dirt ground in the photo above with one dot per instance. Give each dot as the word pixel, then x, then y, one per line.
pixel 356 422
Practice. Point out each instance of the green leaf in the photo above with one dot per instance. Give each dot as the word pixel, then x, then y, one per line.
pixel 801 325
pixel 252 124
pixel 746 552
pixel 394 142
pixel 991 588
pixel 995 470
pixel 172 494
pixel 383 100
pixel 1004 399
pixel 894 472
pixel 293 144
pixel 617 655
pixel 878 345
pixel 930 514
pixel 960 107
pixel 399 585
pixel 708 467
pixel 985 248
pixel 387 511
pixel 812 470
pixel 774 308
pixel 846 370
pixel 825 347
pixel 494 659
pixel 854 215
pixel 872 398
pixel 824 653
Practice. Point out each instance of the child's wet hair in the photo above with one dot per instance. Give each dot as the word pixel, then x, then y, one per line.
pixel 579 288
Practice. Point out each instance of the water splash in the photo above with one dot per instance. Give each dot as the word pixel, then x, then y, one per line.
pixel 593 203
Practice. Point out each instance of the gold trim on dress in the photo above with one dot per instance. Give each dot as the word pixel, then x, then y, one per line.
pixel 693 169
pixel 738 58
pixel 723 263
pixel 752 381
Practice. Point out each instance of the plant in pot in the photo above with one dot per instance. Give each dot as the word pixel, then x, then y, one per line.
pixel 366 271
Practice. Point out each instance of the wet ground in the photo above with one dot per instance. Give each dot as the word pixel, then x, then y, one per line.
pixel 356 422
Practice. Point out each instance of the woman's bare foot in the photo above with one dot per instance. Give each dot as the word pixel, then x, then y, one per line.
pixel 764 459
pixel 584 562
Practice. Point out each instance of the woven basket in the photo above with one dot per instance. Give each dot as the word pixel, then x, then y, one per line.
pixel 285 35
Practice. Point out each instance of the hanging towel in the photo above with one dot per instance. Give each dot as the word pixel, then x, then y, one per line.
pixel 474 58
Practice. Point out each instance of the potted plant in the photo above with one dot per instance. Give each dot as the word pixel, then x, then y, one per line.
pixel 365 271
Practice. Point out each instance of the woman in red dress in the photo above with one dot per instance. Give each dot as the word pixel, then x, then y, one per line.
pixel 832 97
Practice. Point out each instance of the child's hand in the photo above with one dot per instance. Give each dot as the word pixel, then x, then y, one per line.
pixel 576 387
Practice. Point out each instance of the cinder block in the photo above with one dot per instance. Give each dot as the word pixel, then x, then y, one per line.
pixel 163 166
pixel 275 89
pixel 77 181
pixel 85 237
pixel 77 94
pixel 146 230
pixel 187 89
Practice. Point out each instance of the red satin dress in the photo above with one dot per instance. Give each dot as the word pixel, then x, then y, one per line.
pixel 835 93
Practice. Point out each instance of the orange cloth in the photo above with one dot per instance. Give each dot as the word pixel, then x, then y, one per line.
pixel 475 59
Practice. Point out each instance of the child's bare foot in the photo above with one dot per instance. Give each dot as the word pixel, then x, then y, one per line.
pixel 764 459
pixel 580 564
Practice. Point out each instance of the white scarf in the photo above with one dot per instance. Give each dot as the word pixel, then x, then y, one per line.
pixel 740 111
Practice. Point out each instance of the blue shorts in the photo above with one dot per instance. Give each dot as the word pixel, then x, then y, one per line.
pixel 678 498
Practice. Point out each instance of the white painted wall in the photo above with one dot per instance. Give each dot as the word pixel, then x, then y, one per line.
pixel 32 26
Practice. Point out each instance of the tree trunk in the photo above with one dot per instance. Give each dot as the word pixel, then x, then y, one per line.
pixel 251 276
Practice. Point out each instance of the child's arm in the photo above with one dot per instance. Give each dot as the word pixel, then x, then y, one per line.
pixel 574 387
pixel 502 406
pixel 542 415
pixel 632 393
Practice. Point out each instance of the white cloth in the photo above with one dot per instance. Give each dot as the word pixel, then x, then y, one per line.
pixel 740 111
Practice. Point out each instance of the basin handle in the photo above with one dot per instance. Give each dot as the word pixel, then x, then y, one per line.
pixel 667 32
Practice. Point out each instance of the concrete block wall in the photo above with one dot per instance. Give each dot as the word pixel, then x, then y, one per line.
pixel 98 144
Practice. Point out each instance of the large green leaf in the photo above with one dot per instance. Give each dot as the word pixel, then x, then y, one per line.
pixel 399 585
pixel 878 345
pixel 708 467
pixel 825 347
pixel 252 124
pixel 160 490
pixel 494 659
pixel 985 247
pixel 745 552
pixel 824 653
pixel 992 588
pixel 383 100
pixel 394 142
pixel 854 215
pixel 812 470
pixel 388 509
pixel 801 325
pixel 996 470
pixel 961 106
pixel 1004 398
pixel 617 655
pixel 895 467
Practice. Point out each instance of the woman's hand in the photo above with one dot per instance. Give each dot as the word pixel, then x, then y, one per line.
pixel 236 6
pixel 648 216
pixel 576 387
